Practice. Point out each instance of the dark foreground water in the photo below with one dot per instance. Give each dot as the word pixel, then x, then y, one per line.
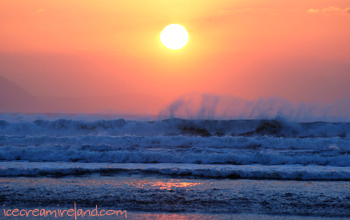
pixel 157 194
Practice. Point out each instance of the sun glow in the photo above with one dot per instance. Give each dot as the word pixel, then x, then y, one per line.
pixel 174 36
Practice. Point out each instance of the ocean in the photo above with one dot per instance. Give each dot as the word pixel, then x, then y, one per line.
pixel 174 168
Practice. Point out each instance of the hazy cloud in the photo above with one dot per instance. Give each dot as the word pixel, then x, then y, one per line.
pixel 329 10
pixel 40 10
pixel 347 10
pixel 313 11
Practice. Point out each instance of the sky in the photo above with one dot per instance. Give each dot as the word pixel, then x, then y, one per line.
pixel 297 50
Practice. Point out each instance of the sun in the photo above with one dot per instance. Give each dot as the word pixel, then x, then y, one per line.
pixel 174 36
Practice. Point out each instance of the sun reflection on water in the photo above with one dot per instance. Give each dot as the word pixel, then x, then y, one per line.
pixel 171 185
pixel 164 185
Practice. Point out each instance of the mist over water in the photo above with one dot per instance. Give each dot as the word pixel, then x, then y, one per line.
pixel 197 106
pixel 209 106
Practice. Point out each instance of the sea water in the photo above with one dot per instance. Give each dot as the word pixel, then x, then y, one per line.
pixel 175 168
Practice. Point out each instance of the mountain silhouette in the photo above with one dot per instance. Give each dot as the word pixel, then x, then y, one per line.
pixel 14 98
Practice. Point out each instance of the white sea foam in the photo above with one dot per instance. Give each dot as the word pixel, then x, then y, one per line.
pixel 330 155
pixel 101 142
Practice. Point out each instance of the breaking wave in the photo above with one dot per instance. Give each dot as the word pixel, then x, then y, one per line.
pixel 210 171
pixel 169 127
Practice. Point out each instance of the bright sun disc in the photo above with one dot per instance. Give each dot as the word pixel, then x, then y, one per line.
pixel 174 36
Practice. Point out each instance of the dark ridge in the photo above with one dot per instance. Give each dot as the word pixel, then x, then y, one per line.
pixel 272 127
pixel 191 130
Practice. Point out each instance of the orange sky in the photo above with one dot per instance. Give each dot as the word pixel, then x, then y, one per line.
pixel 298 50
